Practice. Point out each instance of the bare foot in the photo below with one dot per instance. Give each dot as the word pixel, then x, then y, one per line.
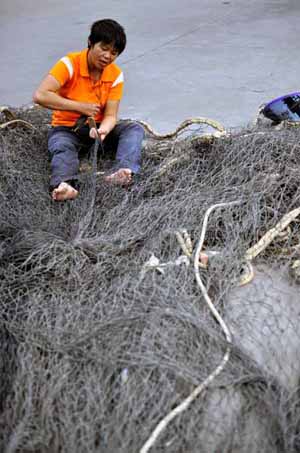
pixel 122 177
pixel 64 192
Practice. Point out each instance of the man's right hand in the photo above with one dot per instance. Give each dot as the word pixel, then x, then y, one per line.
pixel 89 109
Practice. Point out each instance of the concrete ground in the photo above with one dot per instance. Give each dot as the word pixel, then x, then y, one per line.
pixel 214 58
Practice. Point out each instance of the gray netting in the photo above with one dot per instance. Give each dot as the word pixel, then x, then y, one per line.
pixel 104 329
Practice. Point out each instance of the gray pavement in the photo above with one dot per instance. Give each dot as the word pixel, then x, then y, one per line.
pixel 214 58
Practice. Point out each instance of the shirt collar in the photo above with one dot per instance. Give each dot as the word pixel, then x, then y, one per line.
pixel 107 74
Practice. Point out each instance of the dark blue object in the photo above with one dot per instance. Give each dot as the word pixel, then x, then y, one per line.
pixel 284 108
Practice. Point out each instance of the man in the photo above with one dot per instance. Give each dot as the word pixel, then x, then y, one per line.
pixel 89 84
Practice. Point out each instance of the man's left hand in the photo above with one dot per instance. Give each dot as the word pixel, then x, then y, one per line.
pixel 100 133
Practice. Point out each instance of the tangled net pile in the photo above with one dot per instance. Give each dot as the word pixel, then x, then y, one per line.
pixel 106 327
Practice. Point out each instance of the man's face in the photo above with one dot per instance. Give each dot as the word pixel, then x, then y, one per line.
pixel 102 54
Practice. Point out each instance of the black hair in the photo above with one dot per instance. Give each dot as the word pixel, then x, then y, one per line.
pixel 108 31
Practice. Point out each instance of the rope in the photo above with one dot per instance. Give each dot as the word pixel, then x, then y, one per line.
pixel 198 390
pixel 9 115
pixel 16 122
pixel 85 222
pixel 188 122
pixel 264 242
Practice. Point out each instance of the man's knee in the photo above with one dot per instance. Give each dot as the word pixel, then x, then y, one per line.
pixel 136 129
pixel 129 129
pixel 62 142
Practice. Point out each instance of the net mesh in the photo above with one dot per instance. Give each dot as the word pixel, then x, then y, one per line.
pixel 104 330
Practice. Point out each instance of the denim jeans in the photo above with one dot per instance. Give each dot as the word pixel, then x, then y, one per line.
pixel 64 146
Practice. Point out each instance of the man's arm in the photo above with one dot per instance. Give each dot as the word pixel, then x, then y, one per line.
pixel 47 95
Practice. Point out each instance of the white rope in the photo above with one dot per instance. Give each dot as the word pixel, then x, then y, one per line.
pixel 200 388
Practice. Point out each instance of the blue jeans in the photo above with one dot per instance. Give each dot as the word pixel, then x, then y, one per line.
pixel 64 145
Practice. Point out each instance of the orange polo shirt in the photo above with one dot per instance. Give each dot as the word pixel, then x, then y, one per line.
pixel 72 73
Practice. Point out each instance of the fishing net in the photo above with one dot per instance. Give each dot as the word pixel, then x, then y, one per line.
pixel 164 317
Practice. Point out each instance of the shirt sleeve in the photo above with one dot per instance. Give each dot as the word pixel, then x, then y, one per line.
pixel 116 90
pixel 62 70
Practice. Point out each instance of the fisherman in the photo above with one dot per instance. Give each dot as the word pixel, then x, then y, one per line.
pixel 89 84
